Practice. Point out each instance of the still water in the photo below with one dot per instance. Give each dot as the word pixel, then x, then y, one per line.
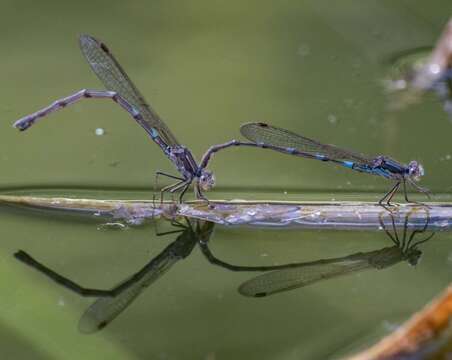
pixel 197 305
pixel 207 67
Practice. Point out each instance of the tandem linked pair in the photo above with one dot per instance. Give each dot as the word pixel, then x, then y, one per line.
pixel 121 90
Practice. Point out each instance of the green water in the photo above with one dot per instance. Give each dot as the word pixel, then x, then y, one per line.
pixel 207 67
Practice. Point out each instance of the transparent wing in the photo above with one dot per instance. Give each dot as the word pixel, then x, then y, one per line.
pixel 284 280
pixel 115 79
pixel 270 135
pixel 105 309
pixel 309 273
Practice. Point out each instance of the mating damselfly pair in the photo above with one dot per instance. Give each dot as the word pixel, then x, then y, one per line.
pixel 121 90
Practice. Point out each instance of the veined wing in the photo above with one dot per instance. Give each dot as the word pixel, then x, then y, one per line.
pixel 266 134
pixel 112 75
pixel 288 279
pixel 106 309
pixel 312 272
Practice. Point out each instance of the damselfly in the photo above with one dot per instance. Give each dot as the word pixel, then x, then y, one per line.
pixel 285 141
pixel 121 90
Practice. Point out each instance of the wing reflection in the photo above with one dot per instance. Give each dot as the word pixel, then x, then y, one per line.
pixel 105 309
pixel 298 275
pixel 112 302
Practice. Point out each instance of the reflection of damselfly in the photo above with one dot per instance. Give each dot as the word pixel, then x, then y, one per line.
pixel 113 301
pixel 303 274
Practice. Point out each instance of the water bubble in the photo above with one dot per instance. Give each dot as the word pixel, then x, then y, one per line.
pixel 434 68
pixel 304 50
pixel 99 132
pixel 332 119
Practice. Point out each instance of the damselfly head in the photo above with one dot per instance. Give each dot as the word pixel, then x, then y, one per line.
pixel 413 256
pixel 207 180
pixel 415 170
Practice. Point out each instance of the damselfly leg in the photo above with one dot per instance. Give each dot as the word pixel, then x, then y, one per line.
pixel 389 195
pixel 405 242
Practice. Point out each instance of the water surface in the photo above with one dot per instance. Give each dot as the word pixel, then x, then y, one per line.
pixel 207 67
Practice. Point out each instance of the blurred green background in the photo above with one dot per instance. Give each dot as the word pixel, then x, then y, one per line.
pixel 206 67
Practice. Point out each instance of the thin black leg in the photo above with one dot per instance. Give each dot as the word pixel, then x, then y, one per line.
pixel 410 243
pixel 395 237
pixel 389 194
pixel 169 175
pixel 405 230
pixel 199 194
pixel 183 192
pixel 182 184
pixel 420 189
pixel 59 279
pixel 404 190
pixel 423 241
pixel 406 193
pixel 170 232
pixel 179 186
pixel 168 188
